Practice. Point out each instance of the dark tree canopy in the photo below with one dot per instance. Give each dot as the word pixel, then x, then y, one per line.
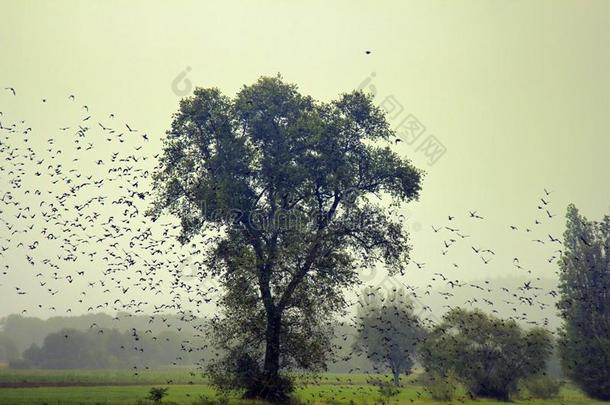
pixel 296 189
pixel 585 303
pixel 489 355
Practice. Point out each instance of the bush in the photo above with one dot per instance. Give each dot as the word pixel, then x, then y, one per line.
pixel 542 387
pixel 441 387
pixel 157 394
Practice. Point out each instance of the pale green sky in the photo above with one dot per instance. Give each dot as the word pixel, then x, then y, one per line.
pixel 517 91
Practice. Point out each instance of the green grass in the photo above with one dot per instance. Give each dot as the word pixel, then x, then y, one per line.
pixel 332 389
pixel 188 394
pixel 102 377
pixel 100 394
pixel 146 377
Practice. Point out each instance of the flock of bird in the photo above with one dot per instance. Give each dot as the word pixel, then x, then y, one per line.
pixel 73 226
pixel 74 237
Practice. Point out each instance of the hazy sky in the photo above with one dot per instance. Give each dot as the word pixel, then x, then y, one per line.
pixel 518 92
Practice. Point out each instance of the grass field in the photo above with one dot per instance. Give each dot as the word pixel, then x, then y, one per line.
pixel 100 377
pixel 123 387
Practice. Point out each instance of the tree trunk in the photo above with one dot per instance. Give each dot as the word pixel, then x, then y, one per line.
pixel 395 371
pixel 272 349
pixel 270 386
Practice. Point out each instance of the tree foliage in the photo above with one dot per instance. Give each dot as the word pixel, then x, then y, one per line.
pixel 388 331
pixel 489 355
pixel 293 188
pixel 585 303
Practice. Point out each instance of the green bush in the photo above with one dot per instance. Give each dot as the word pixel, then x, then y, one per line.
pixel 157 394
pixel 542 387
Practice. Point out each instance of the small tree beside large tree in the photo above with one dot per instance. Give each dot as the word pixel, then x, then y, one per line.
pixel 388 331
pixel 296 189
pixel 488 355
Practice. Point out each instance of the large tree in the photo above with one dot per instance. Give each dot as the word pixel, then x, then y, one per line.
pixel 297 190
pixel 585 303
pixel 388 331
pixel 488 355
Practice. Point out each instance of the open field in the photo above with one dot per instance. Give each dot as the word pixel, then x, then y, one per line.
pixel 123 387
pixel 28 378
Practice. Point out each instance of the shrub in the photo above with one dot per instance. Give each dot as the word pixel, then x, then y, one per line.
pixel 542 387
pixel 157 394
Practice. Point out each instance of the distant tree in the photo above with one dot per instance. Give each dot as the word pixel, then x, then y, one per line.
pixel 67 348
pixel 585 303
pixel 8 349
pixel 32 356
pixel 294 188
pixel 71 348
pixel 157 345
pixel 388 331
pixel 24 331
pixel 487 354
